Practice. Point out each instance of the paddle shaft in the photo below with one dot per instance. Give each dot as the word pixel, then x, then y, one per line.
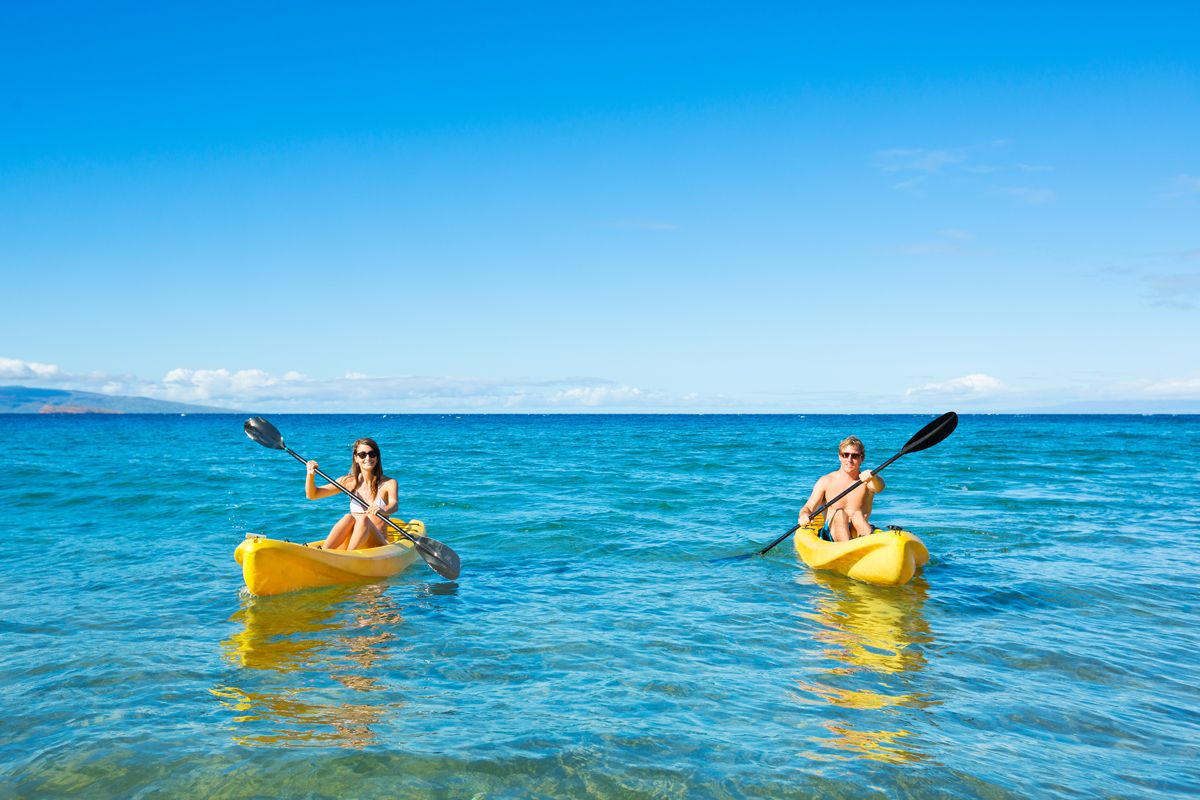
pixel 828 503
pixel 346 491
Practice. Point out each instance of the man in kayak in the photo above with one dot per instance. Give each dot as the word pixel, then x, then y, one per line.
pixel 850 516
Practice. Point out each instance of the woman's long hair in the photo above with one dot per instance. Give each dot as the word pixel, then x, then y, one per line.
pixel 372 478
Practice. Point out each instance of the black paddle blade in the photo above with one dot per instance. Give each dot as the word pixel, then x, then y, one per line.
pixel 440 558
pixel 264 433
pixel 932 433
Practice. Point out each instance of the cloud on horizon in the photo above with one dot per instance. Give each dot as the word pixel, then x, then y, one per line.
pixel 968 387
pixel 15 369
pixel 294 391
pixel 1179 387
pixel 254 390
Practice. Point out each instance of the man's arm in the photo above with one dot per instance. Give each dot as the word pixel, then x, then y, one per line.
pixel 814 501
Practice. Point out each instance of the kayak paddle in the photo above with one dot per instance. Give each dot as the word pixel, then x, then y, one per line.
pixel 927 437
pixel 440 558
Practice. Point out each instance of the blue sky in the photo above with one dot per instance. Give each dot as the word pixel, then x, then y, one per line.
pixel 611 207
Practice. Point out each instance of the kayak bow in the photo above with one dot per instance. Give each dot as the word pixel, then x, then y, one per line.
pixel 885 558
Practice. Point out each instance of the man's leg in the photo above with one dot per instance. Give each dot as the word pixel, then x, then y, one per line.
pixel 839 526
pixel 861 526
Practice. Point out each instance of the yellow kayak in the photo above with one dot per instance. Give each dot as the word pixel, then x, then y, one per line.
pixel 885 558
pixel 272 566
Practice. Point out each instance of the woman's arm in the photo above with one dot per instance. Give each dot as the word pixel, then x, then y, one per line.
pixel 389 492
pixel 311 490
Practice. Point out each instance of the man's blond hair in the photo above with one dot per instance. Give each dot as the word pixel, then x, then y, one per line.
pixel 853 440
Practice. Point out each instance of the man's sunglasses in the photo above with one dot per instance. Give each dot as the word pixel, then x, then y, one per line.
pixel 852 455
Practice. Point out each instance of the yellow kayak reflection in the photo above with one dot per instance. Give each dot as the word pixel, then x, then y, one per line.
pixel 871 628
pixel 874 638
pixel 293 642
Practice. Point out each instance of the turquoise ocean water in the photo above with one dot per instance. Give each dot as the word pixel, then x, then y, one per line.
pixel 589 648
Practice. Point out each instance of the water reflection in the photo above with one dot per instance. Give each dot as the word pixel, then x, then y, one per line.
pixel 297 653
pixel 444 589
pixel 305 724
pixel 873 642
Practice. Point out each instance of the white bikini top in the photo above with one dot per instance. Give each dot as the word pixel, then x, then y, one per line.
pixel 359 506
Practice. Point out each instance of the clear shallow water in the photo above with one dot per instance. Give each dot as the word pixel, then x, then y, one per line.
pixel 589 649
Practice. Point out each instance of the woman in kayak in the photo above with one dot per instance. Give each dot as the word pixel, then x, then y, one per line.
pixel 375 496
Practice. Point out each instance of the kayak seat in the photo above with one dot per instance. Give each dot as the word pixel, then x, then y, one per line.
pixel 414 527
pixel 827 535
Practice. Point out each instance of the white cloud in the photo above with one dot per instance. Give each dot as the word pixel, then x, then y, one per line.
pixel 1175 387
pixel 256 389
pixel 947 242
pixel 968 386
pixel 918 165
pixel 641 225
pixel 16 369
pixel 259 391
pixel 1180 290
pixel 1028 194
pixel 921 160
pixel 203 385
pixel 1185 185
pixel 594 396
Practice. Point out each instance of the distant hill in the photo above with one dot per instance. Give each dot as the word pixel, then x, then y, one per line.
pixel 30 400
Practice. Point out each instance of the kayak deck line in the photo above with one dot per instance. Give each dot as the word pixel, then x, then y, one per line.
pixel 274 566
pixel 884 558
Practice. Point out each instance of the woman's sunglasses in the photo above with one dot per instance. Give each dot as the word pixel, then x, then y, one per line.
pixel 365 454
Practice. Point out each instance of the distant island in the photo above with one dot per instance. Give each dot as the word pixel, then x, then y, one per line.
pixel 31 400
